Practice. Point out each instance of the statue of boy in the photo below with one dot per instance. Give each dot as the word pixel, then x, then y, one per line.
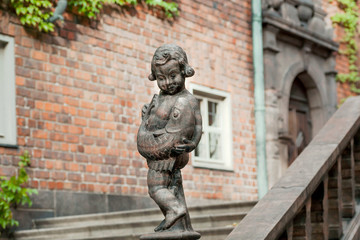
pixel 171 128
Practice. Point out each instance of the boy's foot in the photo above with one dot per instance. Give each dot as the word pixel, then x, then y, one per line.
pixel 172 216
pixel 160 227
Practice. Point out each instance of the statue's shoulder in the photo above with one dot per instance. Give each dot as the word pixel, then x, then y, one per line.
pixel 187 100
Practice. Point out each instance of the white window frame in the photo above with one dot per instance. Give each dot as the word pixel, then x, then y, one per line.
pixel 223 99
pixel 7 92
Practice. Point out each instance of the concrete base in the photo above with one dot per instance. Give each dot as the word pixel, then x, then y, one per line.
pixel 171 235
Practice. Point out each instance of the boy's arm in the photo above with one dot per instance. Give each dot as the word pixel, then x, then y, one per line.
pixel 198 127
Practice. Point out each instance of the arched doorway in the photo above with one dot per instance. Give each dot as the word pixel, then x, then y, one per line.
pixel 291 56
pixel 300 124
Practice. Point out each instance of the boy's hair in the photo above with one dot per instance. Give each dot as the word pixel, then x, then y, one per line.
pixel 167 52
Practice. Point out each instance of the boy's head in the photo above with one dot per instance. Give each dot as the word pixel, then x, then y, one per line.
pixel 168 52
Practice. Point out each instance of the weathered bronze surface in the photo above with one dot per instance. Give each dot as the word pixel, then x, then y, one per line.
pixel 171 128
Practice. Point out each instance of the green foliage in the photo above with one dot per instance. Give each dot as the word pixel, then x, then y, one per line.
pixel 13 193
pixel 88 8
pixel 348 19
pixel 34 13
pixel 170 8
pixel 91 8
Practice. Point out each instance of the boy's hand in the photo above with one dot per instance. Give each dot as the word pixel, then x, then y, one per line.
pixel 144 109
pixel 186 146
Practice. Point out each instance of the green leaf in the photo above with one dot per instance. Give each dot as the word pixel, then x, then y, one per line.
pixel 13 193
pixel 349 20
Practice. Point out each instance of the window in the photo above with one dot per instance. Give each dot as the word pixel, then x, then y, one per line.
pixel 7 92
pixel 215 148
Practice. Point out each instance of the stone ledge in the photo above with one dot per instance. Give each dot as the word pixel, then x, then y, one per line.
pixel 185 235
pixel 300 32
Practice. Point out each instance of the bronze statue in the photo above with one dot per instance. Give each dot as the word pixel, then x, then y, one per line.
pixel 171 128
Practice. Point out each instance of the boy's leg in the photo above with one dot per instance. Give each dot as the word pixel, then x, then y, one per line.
pixel 158 182
pixel 177 185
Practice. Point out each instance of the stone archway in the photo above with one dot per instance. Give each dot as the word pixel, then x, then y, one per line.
pixel 317 87
pixel 295 50
pixel 309 80
pixel 306 115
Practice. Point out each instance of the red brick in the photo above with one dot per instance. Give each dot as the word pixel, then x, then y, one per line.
pixel 42 174
pixel 104 179
pixel 39 134
pixel 75 130
pixel 80 121
pixel 20 81
pixel 48 116
pixel 52 185
pixel 49 164
pixel 74 177
pixel 38 55
pixel 58 175
pixel 89 178
pixel 59 185
pixel 131 181
pixel 71 138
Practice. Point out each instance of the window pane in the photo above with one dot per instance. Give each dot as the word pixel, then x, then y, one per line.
pixel 214 146
pixel 200 149
pixel 213 114
pixel 201 103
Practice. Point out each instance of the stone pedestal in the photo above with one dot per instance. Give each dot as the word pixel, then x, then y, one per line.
pixel 169 235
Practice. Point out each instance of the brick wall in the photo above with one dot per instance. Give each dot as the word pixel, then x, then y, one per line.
pixel 342 64
pixel 79 93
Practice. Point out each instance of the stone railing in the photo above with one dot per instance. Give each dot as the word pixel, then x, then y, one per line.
pixel 318 195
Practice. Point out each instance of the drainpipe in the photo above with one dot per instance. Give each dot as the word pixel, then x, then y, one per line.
pixel 259 98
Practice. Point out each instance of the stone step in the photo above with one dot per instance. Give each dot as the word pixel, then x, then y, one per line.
pixel 213 221
pixel 138 215
pixel 125 229
pixel 131 229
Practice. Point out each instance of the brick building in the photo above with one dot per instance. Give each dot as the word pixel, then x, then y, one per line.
pixel 79 93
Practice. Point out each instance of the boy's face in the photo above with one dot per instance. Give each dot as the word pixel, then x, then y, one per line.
pixel 169 77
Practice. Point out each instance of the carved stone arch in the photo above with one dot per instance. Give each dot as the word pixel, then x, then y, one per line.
pixel 314 81
pixel 289 76
pixel 285 87
pixel 297 45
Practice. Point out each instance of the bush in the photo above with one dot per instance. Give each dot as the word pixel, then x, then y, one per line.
pixel 13 193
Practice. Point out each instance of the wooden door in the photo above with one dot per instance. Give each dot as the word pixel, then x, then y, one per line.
pixel 299 121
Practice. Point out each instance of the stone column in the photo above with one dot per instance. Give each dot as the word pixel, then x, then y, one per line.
pixel 331 86
pixel 271 104
pixel 270 51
